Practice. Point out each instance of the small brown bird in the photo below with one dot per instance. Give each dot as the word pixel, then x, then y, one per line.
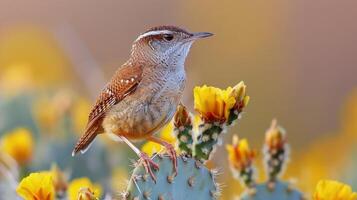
pixel 143 94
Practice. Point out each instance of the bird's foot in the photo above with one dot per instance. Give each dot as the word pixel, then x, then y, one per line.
pixel 148 163
pixel 172 153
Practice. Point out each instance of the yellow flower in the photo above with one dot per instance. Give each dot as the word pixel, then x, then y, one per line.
pixel 79 187
pixel 239 153
pixel 333 190
pixel 59 180
pixel 37 186
pixel 275 136
pixel 48 110
pixel 166 134
pixel 16 79
pixel 239 93
pixel 213 104
pixel 86 194
pixel 46 113
pixel 37 52
pixel 80 114
pixel 150 148
pixel 118 179
pixel 19 145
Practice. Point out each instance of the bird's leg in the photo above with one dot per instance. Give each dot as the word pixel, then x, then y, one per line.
pixel 147 162
pixel 170 148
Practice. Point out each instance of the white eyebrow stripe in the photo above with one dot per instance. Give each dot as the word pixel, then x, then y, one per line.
pixel 153 33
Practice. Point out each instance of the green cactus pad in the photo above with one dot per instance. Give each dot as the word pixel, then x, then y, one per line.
pixel 272 191
pixel 193 181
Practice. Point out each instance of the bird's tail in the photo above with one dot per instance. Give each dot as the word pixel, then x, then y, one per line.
pixel 85 141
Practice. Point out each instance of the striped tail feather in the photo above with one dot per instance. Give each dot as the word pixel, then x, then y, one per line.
pixel 86 140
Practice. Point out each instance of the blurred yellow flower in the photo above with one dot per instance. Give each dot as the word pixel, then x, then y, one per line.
pixel 48 110
pixel 150 148
pixel 333 190
pixel 37 55
pixel 213 104
pixel 239 153
pixel 18 144
pixel 80 186
pixel 59 180
pixel 166 134
pixel 45 112
pixel 37 186
pixel 16 79
pixel 119 179
pixel 86 194
pixel 275 136
pixel 81 109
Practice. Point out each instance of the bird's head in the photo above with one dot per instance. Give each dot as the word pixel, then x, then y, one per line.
pixel 165 44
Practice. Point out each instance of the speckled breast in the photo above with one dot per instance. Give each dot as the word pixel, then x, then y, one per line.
pixel 144 112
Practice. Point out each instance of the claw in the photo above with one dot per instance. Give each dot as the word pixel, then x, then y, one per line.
pixel 148 163
pixel 172 153
pixel 170 150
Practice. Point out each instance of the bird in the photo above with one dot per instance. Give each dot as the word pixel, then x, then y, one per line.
pixel 143 94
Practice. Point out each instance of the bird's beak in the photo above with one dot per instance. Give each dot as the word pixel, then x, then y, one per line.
pixel 199 35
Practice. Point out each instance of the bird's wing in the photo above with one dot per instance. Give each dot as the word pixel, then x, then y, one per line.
pixel 124 82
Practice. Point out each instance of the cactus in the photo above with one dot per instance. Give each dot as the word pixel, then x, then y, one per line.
pixel 272 191
pixel 193 181
pixel 183 130
pixel 275 152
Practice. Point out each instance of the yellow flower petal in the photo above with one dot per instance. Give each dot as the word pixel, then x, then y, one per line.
pixel 239 153
pixel 213 104
pixel 37 186
pixel 333 190
pixel 150 148
pixel 166 134
pixel 79 187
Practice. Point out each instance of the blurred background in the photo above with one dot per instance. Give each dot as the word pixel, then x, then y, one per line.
pixel 297 58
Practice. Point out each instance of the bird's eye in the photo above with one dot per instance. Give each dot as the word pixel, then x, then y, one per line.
pixel 168 37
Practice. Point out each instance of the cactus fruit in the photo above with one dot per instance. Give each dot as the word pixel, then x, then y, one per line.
pixel 272 191
pixel 275 156
pixel 275 150
pixel 207 140
pixel 241 159
pixel 183 130
pixel 193 181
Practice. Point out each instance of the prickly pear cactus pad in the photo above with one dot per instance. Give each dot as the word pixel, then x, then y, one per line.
pixel 272 191
pixel 193 181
